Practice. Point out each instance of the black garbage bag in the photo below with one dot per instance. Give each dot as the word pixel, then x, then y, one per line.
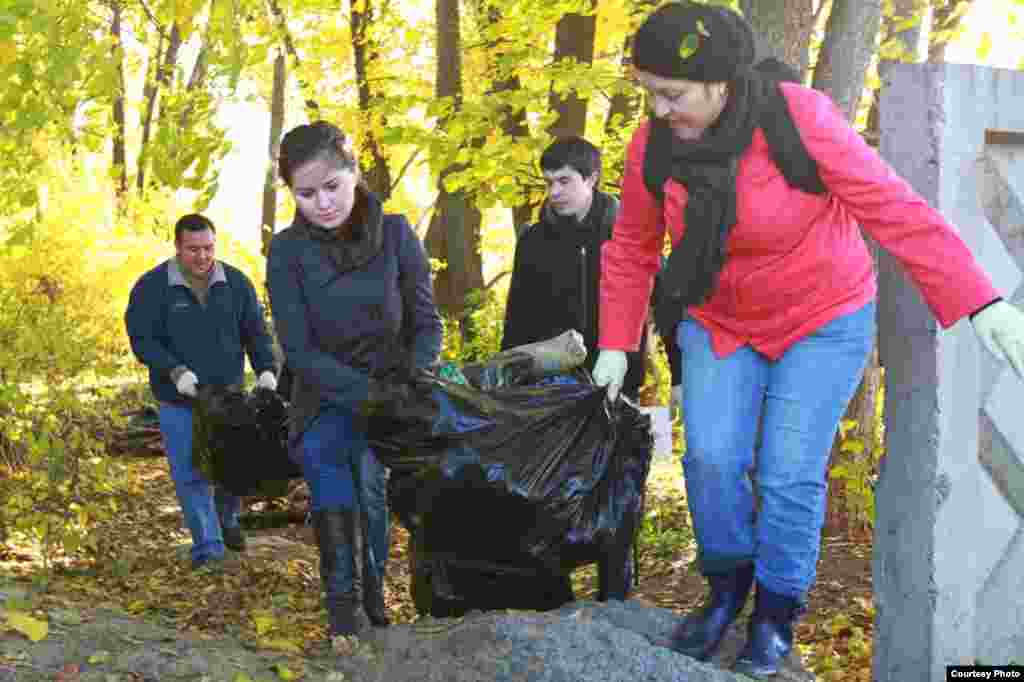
pixel 499 487
pixel 240 440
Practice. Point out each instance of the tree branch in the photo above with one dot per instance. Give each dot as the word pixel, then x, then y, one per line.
pixel 405 167
pixel 497 278
pixel 430 209
pixel 152 17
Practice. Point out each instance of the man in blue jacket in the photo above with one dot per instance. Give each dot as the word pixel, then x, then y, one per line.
pixel 190 320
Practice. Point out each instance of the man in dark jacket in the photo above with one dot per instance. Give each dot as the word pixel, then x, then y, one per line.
pixel 191 320
pixel 557 262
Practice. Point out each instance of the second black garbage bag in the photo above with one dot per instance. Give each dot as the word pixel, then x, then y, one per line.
pixel 524 481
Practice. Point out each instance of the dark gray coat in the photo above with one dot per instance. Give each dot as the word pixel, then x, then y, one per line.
pixel 337 326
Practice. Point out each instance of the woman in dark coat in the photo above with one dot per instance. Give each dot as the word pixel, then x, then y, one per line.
pixel 353 308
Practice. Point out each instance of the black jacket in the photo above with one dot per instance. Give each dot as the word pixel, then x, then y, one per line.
pixel 555 284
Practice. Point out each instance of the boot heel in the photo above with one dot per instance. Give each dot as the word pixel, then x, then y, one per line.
pixel 373 602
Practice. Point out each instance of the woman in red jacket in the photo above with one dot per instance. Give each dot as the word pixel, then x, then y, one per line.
pixel 774 291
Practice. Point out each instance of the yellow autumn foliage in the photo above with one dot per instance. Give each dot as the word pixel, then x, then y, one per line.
pixel 68 269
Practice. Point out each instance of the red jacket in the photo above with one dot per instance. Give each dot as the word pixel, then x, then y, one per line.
pixel 794 261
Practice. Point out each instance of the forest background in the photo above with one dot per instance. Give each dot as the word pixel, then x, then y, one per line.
pixel 118 116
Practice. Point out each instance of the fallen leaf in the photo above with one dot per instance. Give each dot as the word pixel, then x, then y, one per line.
pixel 279 644
pixel 284 672
pixel 264 622
pixel 31 627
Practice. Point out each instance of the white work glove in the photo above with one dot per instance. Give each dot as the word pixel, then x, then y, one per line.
pixel 1001 329
pixel 267 380
pixel 610 371
pixel 676 402
pixel 186 383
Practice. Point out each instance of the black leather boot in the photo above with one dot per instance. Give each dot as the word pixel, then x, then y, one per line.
pixel 700 634
pixel 339 536
pixel 769 634
pixel 373 595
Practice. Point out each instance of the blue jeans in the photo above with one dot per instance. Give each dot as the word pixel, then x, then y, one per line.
pixel 799 400
pixel 205 511
pixel 373 493
pixel 330 450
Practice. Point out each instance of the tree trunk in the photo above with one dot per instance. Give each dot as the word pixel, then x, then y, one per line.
pixel 513 121
pixel 269 219
pixel 454 232
pixel 161 77
pixel 574 39
pixel 623 106
pixel 909 40
pixel 783 29
pixel 119 155
pixel 378 175
pixel 454 237
pixel 849 45
pixel 312 108
pixel 942 13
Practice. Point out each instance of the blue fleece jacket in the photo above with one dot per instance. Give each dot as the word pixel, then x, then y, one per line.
pixel 168 327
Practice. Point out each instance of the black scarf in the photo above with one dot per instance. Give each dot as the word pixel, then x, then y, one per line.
pixel 357 241
pixel 707 168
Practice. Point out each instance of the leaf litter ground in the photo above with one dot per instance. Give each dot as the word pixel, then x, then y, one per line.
pixel 268 598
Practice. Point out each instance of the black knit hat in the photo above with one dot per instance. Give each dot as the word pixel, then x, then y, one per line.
pixel 696 42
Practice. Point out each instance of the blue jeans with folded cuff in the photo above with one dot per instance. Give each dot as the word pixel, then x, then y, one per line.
pixel 799 400
pixel 330 451
pixel 206 508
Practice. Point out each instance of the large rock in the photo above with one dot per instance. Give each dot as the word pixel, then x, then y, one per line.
pixel 592 641
pixel 597 642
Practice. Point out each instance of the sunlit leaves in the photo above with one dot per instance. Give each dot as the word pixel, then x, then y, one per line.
pixel 32 628
pixel 984 46
pixel 184 14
